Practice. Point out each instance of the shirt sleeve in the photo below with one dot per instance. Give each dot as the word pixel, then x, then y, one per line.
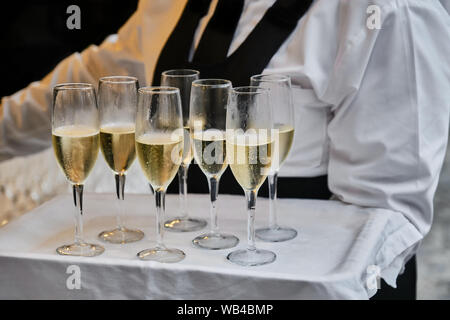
pixel 25 117
pixel 390 91
pixel 446 5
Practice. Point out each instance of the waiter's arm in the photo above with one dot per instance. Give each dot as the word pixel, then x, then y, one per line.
pixel 389 131
pixel 25 123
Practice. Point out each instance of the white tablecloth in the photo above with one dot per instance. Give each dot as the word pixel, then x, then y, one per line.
pixel 328 260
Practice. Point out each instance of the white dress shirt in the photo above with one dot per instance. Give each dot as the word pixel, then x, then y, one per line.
pixel 372 105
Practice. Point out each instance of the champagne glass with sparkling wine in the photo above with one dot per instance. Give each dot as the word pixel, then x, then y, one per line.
pixel 75 139
pixel 209 100
pixel 159 146
pixel 182 79
pixel 117 100
pixel 250 150
pixel 280 99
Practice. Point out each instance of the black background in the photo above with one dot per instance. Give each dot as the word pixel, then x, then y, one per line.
pixel 34 35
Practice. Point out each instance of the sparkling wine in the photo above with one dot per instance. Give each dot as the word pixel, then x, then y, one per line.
pixel 160 155
pixel 117 145
pixel 76 149
pixel 250 161
pixel 210 152
pixel 286 137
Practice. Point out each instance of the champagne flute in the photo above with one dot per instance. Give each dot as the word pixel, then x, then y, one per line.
pixel 159 146
pixel 249 151
pixel 182 79
pixel 117 100
pixel 280 99
pixel 75 139
pixel 209 100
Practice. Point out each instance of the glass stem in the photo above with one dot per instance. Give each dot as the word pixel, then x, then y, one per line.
pixel 251 206
pixel 78 201
pixel 182 180
pixel 160 198
pixel 272 180
pixel 120 192
pixel 213 183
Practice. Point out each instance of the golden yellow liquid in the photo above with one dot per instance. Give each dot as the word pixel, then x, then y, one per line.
pixel 160 156
pixel 210 152
pixel 117 145
pixel 286 137
pixel 188 155
pixel 76 150
pixel 250 163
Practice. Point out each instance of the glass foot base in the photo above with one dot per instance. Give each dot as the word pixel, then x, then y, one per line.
pixel 252 257
pixel 81 249
pixel 164 255
pixel 278 234
pixel 121 235
pixel 215 241
pixel 185 224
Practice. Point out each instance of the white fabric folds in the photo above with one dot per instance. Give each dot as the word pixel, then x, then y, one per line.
pixel 333 257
